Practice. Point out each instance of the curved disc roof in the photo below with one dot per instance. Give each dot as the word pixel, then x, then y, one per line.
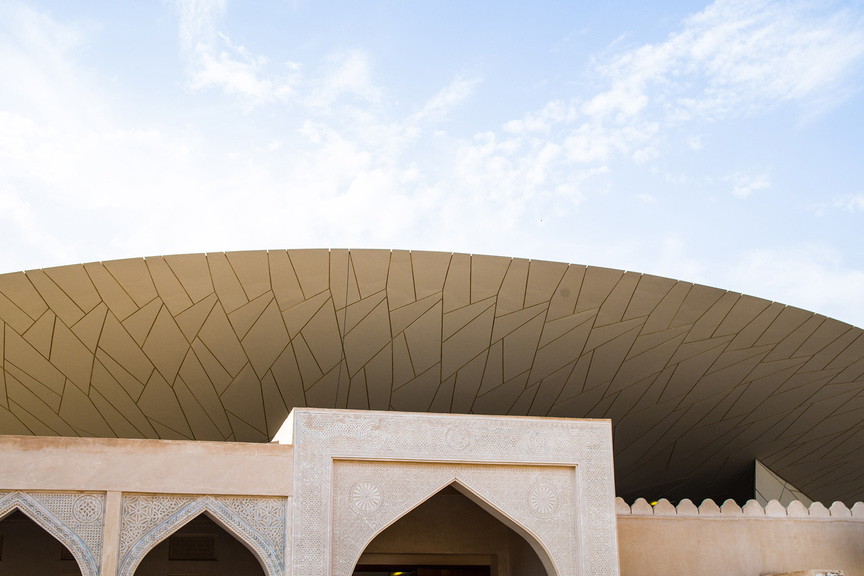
pixel 698 381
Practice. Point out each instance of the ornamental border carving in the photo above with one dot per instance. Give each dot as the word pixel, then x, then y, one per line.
pixel 329 441
pixel 502 490
pixel 258 522
pixel 55 512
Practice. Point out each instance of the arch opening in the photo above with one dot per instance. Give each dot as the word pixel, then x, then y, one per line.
pixel 201 546
pixel 27 549
pixel 453 533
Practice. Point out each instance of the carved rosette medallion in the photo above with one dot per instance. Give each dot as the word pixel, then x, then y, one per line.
pixel 543 500
pixel 538 441
pixel 371 436
pixel 457 437
pixel 87 509
pixel 365 498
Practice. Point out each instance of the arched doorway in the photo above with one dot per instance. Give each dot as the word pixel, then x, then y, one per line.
pixel 27 549
pixel 449 535
pixel 201 546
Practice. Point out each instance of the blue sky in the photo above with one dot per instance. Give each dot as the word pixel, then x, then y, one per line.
pixel 718 143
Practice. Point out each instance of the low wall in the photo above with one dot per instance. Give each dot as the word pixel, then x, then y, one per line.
pixel 728 540
pixel 163 466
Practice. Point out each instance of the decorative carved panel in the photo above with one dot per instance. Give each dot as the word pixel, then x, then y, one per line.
pixel 75 519
pixel 150 518
pixel 534 499
pixel 551 479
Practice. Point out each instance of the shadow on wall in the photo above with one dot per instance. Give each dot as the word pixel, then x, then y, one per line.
pixel 200 547
pixel 26 549
pixel 449 534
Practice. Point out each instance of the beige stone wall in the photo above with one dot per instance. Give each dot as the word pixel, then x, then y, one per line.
pixel 736 542
pixel 167 466
pixel 249 485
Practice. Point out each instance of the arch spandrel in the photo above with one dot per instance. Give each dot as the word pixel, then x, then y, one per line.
pixel 368 497
pixel 148 519
pixel 50 516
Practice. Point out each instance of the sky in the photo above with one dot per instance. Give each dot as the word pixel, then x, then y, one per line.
pixel 719 143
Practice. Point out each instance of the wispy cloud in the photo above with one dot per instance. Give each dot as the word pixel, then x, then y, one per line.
pixel 851 203
pixel 735 57
pixel 743 185
pixel 439 106
pixel 239 73
pixel 197 21
pixel 214 61
pixel 343 169
pixel 346 73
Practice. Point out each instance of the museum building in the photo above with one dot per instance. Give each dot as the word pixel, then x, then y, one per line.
pixel 374 412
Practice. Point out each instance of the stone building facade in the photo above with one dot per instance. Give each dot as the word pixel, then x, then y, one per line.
pixel 342 492
pixel 540 493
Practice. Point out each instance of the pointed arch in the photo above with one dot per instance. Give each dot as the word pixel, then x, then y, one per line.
pixel 462 486
pixel 502 516
pixel 269 558
pixel 54 526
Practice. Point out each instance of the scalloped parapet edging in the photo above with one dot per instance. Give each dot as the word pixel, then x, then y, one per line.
pixel 729 509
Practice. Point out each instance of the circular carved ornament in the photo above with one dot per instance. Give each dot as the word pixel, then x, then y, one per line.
pixel 543 500
pixel 538 441
pixel 365 497
pixel 371 436
pixel 457 437
pixel 87 509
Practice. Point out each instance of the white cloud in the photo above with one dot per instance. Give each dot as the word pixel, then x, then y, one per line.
pixel 349 73
pixel 198 21
pixel 555 112
pixel 734 58
pixel 743 185
pixel 214 61
pixel 95 186
pixel 77 182
pixel 240 73
pixel 436 108
pixel 851 203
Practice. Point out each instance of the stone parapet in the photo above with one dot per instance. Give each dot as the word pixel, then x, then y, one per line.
pixel 730 509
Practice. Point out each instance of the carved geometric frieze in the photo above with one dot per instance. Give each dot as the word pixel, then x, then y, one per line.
pixel 147 519
pixel 74 518
pixel 535 499
pixel 564 470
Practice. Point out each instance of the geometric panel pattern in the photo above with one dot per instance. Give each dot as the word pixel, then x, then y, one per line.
pixel 75 519
pixel 697 381
pixel 258 522
pixel 504 486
